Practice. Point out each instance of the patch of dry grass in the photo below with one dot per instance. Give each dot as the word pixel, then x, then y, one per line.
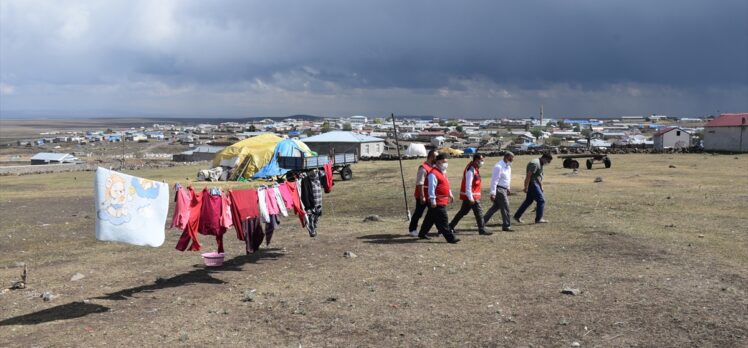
pixel 653 270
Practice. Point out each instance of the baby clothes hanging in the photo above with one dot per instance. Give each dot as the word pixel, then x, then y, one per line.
pixel 297 205
pixel 181 207
pixel 280 201
pixel 328 183
pixel 211 215
pixel 262 203
pixel 226 218
pixel 312 199
pixel 190 231
pixel 270 228
pixel 286 195
pixel 253 234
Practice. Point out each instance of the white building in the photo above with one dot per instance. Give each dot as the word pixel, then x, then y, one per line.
pixel 346 142
pixel 671 138
pixel 728 132
pixel 358 120
pixel 53 158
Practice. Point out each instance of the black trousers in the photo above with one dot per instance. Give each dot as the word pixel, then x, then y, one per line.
pixel 420 208
pixel 464 209
pixel 437 216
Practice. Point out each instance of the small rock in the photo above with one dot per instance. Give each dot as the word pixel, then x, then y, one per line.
pixel 668 197
pixel 47 296
pixel 18 285
pixel 701 236
pixel 332 299
pixel 249 295
pixel 372 218
pixel 76 277
pixel 599 179
pixel 87 301
pixel 575 344
pixel 672 166
pixel 350 254
pixel 570 291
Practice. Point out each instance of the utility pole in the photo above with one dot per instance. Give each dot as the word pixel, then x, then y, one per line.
pixel 402 176
pixel 541 115
pixel 122 163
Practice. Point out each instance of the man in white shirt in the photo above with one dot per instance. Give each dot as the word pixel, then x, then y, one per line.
pixel 501 181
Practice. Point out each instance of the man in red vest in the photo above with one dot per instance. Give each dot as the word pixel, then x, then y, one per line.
pixel 421 192
pixel 440 196
pixel 470 195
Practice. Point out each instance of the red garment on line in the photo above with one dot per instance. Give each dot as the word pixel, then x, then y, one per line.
pixel 181 208
pixel 243 206
pixel 294 190
pixel 210 217
pixel 328 177
pixel 190 231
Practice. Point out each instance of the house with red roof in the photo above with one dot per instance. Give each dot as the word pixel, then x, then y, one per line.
pixel 671 138
pixel 728 133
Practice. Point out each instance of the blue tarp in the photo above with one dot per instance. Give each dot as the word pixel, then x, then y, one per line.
pixel 470 150
pixel 286 148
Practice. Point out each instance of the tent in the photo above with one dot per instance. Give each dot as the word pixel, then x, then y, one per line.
pixel 249 155
pixel 471 150
pixel 416 150
pixel 286 148
pixel 450 151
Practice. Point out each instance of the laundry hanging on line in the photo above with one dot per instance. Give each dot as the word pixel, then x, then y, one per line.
pixel 130 209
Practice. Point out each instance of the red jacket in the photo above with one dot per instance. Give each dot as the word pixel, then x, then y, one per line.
pixel 424 192
pixel 475 188
pixel 442 187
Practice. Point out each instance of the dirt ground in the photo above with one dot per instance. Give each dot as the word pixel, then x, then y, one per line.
pixel 659 253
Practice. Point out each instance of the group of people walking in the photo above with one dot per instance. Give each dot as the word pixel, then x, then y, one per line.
pixel 433 193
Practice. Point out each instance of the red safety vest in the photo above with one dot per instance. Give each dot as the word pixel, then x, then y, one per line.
pixel 475 189
pixel 424 192
pixel 442 187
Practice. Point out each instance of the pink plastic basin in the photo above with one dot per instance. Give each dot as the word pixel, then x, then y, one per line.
pixel 213 259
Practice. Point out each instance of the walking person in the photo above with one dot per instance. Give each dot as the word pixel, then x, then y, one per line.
pixel 470 190
pixel 421 192
pixel 501 180
pixel 439 196
pixel 534 188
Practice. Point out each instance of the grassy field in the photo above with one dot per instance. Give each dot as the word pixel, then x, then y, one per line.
pixel 659 250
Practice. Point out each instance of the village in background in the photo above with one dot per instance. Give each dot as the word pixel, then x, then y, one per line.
pixel 137 143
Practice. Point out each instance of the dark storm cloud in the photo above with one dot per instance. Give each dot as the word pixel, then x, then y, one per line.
pixel 325 47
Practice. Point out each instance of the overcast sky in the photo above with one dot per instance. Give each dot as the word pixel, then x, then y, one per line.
pixel 461 58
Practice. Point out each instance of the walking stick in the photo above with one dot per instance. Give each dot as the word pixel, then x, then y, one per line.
pixel 402 176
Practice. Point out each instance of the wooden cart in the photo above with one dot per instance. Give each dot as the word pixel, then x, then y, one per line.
pixel 341 163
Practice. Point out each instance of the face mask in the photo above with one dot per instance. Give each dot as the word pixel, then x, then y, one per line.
pixel 444 166
pixel 480 164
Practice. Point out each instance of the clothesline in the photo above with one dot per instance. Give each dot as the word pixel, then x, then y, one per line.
pixel 213 211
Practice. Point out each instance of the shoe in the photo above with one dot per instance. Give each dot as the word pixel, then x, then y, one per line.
pixel 424 237
pixel 541 221
pixel 413 233
pixel 485 233
pixel 518 220
pixel 507 229
pixel 453 241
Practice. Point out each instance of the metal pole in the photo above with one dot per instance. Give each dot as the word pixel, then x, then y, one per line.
pixel 402 176
pixel 122 164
